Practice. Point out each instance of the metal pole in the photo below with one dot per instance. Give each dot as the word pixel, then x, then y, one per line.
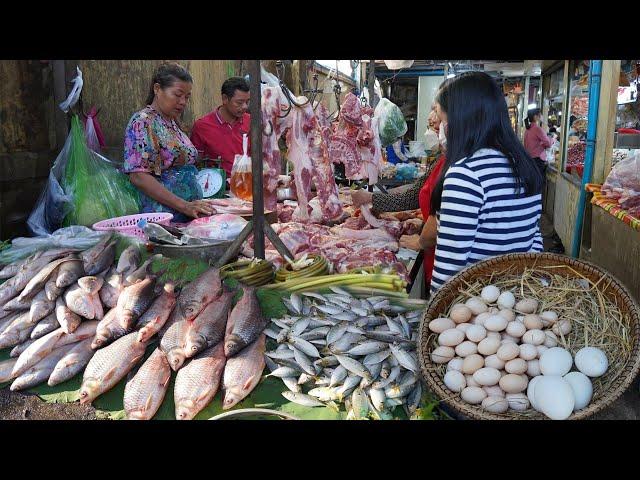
pixel 256 157
pixel 372 81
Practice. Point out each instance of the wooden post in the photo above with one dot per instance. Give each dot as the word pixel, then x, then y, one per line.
pixel 256 157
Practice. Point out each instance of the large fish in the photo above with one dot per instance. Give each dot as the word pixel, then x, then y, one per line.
pixel 90 255
pixel 174 339
pixel 52 291
pixel 91 284
pixel 157 314
pixel 16 284
pixel 142 272
pixel 134 301
pixel 39 349
pixel 38 282
pixel 198 381
pixel 17 331
pixel 144 393
pixel 109 365
pixel 67 319
pixel 17 304
pixel 248 322
pixel 208 328
pixel 41 306
pixel 129 260
pixel 68 273
pixel 8 319
pixel 97 307
pixel 6 369
pixel 18 349
pixel 44 326
pixel 102 261
pixel 109 329
pixel 41 370
pixel 80 302
pixel 12 268
pixel 242 373
pixel 199 293
pixel 72 363
pixel 112 288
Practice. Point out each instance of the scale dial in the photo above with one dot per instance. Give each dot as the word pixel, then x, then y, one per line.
pixel 210 181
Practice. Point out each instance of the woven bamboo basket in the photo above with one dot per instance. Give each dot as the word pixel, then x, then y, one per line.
pixel 517 263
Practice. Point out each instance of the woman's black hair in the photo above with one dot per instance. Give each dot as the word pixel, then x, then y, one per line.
pixel 530 114
pixel 166 75
pixel 477 118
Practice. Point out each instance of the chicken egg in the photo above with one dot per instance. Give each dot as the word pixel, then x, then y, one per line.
pixel 534 337
pixel 510 315
pixel 471 381
pixel 480 319
pixel 490 293
pixel 549 318
pixel 533 368
pixel 494 362
pixel 489 346
pixel 455 381
pixel 441 324
pixel 442 354
pixel 505 338
pixel 554 397
pixel 495 404
pixel 494 391
pixel 516 329
pixel 506 300
pixel 476 305
pixel 495 335
pixel 512 383
pixel 532 322
pixel 472 363
pixel 541 349
pixel 517 401
pixel 520 318
pixel 495 323
pixel 493 310
pixel 550 339
pixel 528 351
pixel 526 305
pixel 508 351
pixel 592 361
pixel 473 395
pixel 561 327
pixel 455 364
pixel 582 389
pixel 466 348
pixel 451 337
pixel 460 313
pixel 517 366
pixel 487 376
pixel 463 327
pixel 476 333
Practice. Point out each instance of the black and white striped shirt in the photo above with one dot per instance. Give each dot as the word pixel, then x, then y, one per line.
pixel 482 215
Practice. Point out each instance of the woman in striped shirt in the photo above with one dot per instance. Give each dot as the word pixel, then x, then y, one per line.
pixel 488 199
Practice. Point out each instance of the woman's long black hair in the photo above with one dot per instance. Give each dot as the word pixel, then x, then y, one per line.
pixel 530 114
pixel 477 118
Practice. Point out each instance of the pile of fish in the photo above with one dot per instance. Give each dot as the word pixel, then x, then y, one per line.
pixel 343 349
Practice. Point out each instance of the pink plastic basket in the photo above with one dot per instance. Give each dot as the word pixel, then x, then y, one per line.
pixel 128 225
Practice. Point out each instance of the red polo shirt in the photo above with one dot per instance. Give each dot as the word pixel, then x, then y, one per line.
pixel 219 138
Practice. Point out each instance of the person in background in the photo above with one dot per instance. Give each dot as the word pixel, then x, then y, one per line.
pixel 219 133
pixel 488 198
pixel 396 152
pixel 158 156
pixel 535 140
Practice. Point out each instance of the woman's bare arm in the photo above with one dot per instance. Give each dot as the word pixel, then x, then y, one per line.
pixel 429 234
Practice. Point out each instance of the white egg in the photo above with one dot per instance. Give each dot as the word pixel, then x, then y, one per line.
pixel 451 337
pixel 494 391
pixel 495 335
pixel 534 337
pixel 476 333
pixel 591 361
pixel 463 327
pixel 517 365
pixel 442 354
pixel 495 323
pixel 516 329
pixel 476 305
pixel 582 389
pixel 554 397
pixel 513 383
pixel 528 351
pixel 561 327
pixel 473 395
pixel 493 310
pixel 533 368
pixel 439 325
pixel 490 293
pixel 508 339
pixel 494 362
pixel 460 313
pixel 508 351
pixel 466 348
pixel 472 363
pixel 506 300
pixel 532 322
pixel 455 381
pixel 526 305
pixel 517 401
pixel 541 349
pixel 556 361
pixel 487 376
pixel 531 389
pixel 470 381
pixel 510 315
pixel 520 318
pixel 550 339
pixel 495 404
pixel 549 317
pixel 455 364
pixel 489 346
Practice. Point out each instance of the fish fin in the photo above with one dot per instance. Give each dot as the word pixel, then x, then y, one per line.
pixel 147 404
pixel 166 381
pixel 110 374
pixel 202 396
pixel 247 384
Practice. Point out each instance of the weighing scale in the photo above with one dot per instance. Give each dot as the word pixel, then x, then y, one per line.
pixel 212 179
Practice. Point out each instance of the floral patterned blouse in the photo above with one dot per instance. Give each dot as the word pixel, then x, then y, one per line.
pixel 153 144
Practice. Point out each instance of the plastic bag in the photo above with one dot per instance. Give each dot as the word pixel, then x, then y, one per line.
pixel 99 191
pixel 241 180
pixel 69 237
pixel 217 227
pixel 623 184
pixel 74 96
pixel 431 140
pixel 392 123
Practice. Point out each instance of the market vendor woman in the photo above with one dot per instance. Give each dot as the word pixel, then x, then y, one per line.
pixel 158 155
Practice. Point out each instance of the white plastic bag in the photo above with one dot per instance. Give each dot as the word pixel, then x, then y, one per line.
pixel 431 140
pixel 74 96
pixel 392 123
pixel 92 137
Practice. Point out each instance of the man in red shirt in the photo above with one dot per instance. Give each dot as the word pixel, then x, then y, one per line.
pixel 219 133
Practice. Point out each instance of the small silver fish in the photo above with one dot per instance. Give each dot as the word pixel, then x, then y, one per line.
pixel 269 332
pixel 296 302
pixel 367 347
pixel 336 332
pixel 329 309
pixel 329 361
pixel 292 384
pixel 315 295
pixel 281 354
pixel 304 346
pixel 354 366
pixel 377 398
pixel 300 326
pixel 405 359
pixel 302 399
pixel 345 316
pixel 305 378
pixel 304 362
pixel 338 375
pixel 283 372
pixel 324 394
pixel 377 357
